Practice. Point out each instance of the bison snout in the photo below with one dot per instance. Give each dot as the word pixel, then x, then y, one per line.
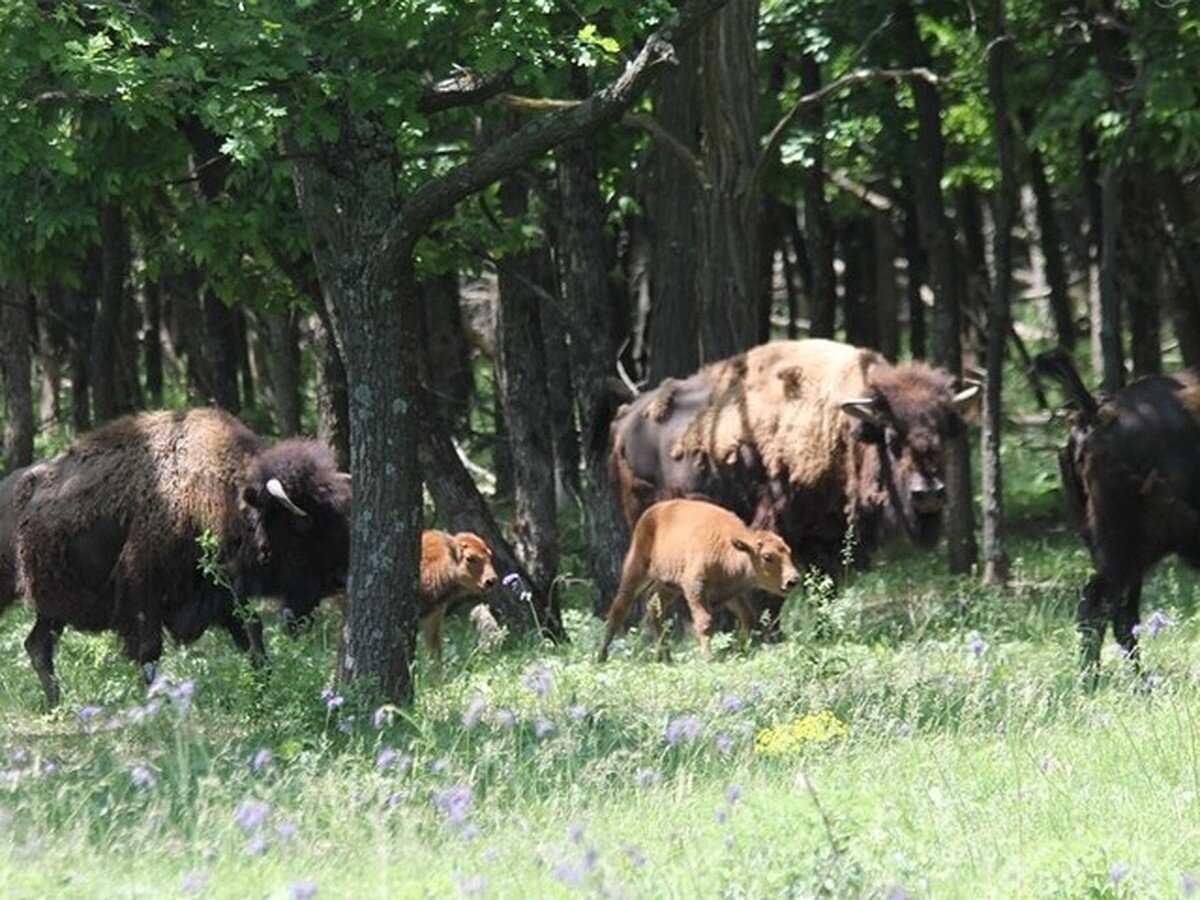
pixel 929 496
pixel 792 582
pixel 489 582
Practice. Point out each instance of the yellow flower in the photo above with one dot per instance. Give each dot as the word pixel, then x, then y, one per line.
pixel 779 740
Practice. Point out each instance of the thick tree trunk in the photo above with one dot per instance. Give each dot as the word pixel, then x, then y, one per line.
pixel 887 297
pixel 995 547
pixel 1093 194
pixel 917 268
pixel 939 245
pixel 1139 257
pixel 220 353
pixel 283 333
pixel 524 394
pixel 1051 241
pixel 16 376
pixel 673 199
pixel 114 262
pixel 592 341
pixel 245 363
pixel 152 357
pixel 376 310
pixel 561 411
pixel 858 283
pixel 728 283
pixel 333 395
pixel 1185 248
pixel 818 224
pixel 53 349
pixel 445 355
pixel 1111 351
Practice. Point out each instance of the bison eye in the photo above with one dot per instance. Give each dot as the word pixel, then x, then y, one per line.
pixel 769 557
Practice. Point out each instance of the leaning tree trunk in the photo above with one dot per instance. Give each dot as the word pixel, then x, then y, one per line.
pixel 524 395
pixel 728 284
pixel 375 308
pixel 818 223
pixel 672 199
pixel 995 549
pixel 16 375
pixel 592 342
pixel 938 240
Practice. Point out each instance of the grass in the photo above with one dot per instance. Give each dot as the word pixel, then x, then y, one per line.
pixel 973 761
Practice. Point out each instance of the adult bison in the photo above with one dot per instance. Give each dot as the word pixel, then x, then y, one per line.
pixel 1131 475
pixel 808 439
pixel 108 536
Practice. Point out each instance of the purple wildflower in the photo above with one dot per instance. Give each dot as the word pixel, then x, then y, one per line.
pixel 722 814
pixel 756 692
pixel 89 712
pixel 475 709
pixel 1044 765
pixel 538 679
pixel 469 832
pixel 262 758
pixel 304 890
pixel 729 842
pixel 647 777
pixel 193 882
pixel 542 729
pixel 505 718
pixel 383 716
pixel 1189 885
pixel 476 886
pixel 455 802
pixel 385 758
pixel 977 645
pixel 576 712
pixel 1157 622
pixel 181 695
pixel 896 892
pixel 440 766
pixel 731 703
pixel 636 858
pixel 158 686
pixel 252 814
pixel 681 728
pixel 141 777
pixel 724 743
pixel 286 830
pixel 733 793
pixel 1152 681
pixel 1117 872
pixel 332 701
pixel 574 832
pixel 257 845
pixel 569 874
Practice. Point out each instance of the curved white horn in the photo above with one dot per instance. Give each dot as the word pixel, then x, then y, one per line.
pixel 965 394
pixel 275 489
pixel 863 408
pixel 345 475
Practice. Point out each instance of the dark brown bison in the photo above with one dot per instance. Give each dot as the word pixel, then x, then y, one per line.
pixel 805 438
pixel 108 535
pixel 704 554
pixel 1131 475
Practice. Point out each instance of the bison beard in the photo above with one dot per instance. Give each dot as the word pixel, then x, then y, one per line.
pixel 106 535
pixel 1131 475
pixel 810 439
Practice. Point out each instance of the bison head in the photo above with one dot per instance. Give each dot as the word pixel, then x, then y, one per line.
pixel 771 557
pixel 473 561
pixel 908 413
pixel 297 505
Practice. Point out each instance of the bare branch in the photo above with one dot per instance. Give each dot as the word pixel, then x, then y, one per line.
pixel 463 88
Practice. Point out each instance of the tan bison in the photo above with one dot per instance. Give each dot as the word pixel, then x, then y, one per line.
pixel 108 535
pixel 705 555
pixel 452 566
pixel 810 439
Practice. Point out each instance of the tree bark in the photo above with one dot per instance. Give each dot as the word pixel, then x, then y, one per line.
pixel 939 245
pixel 524 395
pixel 887 298
pixel 16 375
pixel 728 283
pixel 1185 249
pixel 592 340
pixel 1051 241
pixel 114 262
pixel 917 270
pixel 283 333
pixel 995 547
pixel 858 283
pixel 818 224
pixel 152 357
pixel 1111 351
pixel 445 355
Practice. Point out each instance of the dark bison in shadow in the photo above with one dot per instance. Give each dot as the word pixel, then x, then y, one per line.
pixel 1131 475
pixel 808 439
pixel 107 535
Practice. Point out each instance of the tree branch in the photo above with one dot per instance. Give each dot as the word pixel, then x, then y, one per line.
pixel 463 88
pixel 858 76
pixel 436 198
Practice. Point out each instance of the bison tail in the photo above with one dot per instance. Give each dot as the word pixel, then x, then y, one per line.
pixel 608 400
pixel 1058 365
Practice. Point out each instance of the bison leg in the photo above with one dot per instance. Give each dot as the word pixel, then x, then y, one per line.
pixel 246 629
pixel 145 644
pixel 1126 615
pixel 431 628
pixel 744 611
pixel 657 609
pixel 40 647
pixel 702 619
pixel 1091 620
pixel 618 613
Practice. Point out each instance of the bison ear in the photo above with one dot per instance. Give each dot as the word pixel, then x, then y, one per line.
pixel 867 433
pixel 739 544
pixel 250 496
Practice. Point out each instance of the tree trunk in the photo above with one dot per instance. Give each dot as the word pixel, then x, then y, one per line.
pixel 728 284
pixel 818 224
pixel 245 364
pixel 524 395
pixel 333 396
pixel 16 375
pixel 564 433
pixel 592 337
pixel 114 263
pixel 445 355
pixel 375 309
pixel 152 343
pixel 672 202
pixel 887 298
pixel 995 548
pixel 1111 351
pixel 858 283
pixel 939 245
pixel 53 349
pixel 1139 244
pixel 1093 193
pixel 283 333
pixel 1185 249
pixel 1051 241
pixel 80 316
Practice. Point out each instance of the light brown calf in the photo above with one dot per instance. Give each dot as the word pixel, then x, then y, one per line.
pixel 705 554
pixel 452 566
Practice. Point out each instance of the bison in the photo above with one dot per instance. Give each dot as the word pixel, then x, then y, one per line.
pixel 109 535
pixel 452 566
pixel 809 439
pixel 707 555
pixel 1131 476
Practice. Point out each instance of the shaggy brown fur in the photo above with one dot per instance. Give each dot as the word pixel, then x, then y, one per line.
pixel 452 566
pixel 1131 473
pixel 705 554
pixel 106 539
pixel 765 435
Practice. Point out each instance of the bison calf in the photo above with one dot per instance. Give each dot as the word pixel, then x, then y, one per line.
pixel 705 554
pixel 452 566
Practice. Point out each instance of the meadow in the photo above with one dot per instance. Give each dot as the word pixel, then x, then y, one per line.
pixel 915 735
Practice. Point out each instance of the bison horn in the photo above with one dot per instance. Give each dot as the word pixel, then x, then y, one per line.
pixel 345 475
pixel 864 408
pixel 275 489
pixel 965 395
